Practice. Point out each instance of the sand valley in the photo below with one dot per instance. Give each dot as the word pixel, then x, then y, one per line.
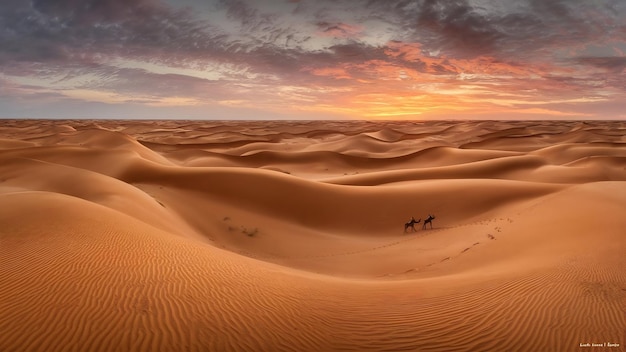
pixel 290 236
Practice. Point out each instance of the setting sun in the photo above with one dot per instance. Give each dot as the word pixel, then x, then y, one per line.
pixel 245 59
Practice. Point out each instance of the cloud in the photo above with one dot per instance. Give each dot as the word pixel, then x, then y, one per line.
pixel 326 53
pixel 77 32
pixel 339 30
pixel 467 29
pixel 69 31
pixel 613 64
pixel 458 26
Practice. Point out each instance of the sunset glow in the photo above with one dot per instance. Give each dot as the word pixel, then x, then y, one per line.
pixel 244 59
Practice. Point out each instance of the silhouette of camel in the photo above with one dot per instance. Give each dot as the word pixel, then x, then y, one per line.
pixel 411 224
pixel 429 220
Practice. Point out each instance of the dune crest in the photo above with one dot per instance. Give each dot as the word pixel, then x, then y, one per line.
pixel 282 236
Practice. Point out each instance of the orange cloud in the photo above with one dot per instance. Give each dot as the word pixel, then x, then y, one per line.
pixel 333 72
pixel 405 51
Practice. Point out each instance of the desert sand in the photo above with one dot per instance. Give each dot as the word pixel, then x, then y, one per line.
pixel 289 236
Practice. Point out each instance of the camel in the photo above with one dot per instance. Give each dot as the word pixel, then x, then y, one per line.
pixel 411 224
pixel 429 220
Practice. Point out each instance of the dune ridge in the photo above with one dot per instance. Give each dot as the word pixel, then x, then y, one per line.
pixel 283 236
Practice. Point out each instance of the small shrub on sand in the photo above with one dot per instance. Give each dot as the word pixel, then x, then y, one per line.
pixel 250 232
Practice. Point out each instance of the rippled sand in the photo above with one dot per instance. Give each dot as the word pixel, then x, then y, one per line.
pixel 270 236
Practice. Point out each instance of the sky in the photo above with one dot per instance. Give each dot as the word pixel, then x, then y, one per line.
pixel 318 59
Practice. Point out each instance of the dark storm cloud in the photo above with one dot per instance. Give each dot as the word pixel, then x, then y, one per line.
pixel 463 29
pixel 71 30
pixel 556 9
pixel 240 11
pixel 459 26
pixel 612 64
pixel 259 27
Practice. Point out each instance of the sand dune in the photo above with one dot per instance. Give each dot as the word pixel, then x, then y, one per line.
pixel 272 236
